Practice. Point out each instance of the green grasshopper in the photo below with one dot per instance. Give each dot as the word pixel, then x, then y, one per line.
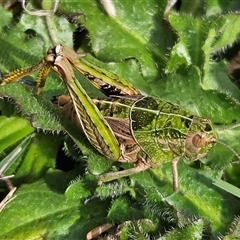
pixel 150 131
pixel 131 128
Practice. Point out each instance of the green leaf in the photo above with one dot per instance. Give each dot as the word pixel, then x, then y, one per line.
pixel 220 6
pixel 32 107
pixel 196 190
pixel 227 187
pixel 234 232
pixel 52 214
pixel 7 162
pixel 165 56
pixel 122 210
pixel 125 39
pixel 229 31
pixel 193 231
pixel 13 129
pixel 41 156
pixel 58 28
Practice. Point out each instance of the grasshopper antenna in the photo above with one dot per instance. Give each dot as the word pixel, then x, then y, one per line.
pixel 228 128
pixel 229 148
pixel 224 144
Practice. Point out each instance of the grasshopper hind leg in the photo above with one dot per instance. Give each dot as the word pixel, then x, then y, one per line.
pixel 175 174
pixel 107 177
pixel 142 165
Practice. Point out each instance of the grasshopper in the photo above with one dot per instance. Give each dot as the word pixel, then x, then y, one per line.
pixel 132 128
pixel 150 131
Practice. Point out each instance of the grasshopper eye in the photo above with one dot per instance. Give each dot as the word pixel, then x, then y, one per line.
pixel 199 140
pixel 50 58
pixel 51 50
pixel 58 49
pixel 194 142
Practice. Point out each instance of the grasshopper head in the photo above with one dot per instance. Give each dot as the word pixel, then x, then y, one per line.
pixel 198 144
pixel 199 139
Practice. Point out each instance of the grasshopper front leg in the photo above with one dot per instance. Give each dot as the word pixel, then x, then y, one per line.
pixel 15 75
